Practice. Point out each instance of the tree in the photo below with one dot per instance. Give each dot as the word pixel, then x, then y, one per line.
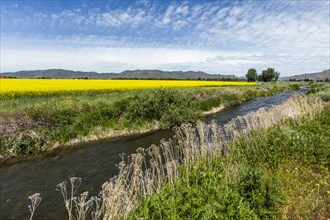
pixel 277 75
pixel 269 75
pixel 251 75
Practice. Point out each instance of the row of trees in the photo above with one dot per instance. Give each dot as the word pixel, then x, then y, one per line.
pixel 267 75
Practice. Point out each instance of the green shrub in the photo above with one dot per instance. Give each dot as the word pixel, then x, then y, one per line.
pixel 315 88
pixel 249 94
pixel 262 194
pixel 294 86
pixel 205 193
pixel 170 107
pixel 325 96
pixel 209 103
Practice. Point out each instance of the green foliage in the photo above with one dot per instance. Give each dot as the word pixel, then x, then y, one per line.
pixel 170 107
pixel 325 96
pixel 209 103
pixel 250 94
pixel 205 193
pixel 229 99
pixel 261 193
pixel 306 141
pixel 294 86
pixel 269 75
pixel 298 154
pixel 315 88
pixel 251 75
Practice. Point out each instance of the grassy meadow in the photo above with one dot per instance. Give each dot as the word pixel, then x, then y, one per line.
pixel 43 119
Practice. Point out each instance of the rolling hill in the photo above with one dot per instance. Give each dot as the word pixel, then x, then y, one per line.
pixel 311 76
pixel 128 74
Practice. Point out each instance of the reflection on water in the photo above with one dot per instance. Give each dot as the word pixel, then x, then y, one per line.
pixel 94 163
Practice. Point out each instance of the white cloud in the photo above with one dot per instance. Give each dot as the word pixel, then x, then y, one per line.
pixel 177 25
pixel 196 11
pixel 154 56
pixel 107 19
pixel 89 58
pixel 167 15
pixel 116 59
pixel 184 10
pixel 145 3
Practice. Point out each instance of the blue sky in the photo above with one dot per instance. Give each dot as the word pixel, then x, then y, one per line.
pixel 225 37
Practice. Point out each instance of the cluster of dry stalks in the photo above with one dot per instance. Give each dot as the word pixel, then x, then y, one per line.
pixel 143 173
pixel 35 201
pixel 17 132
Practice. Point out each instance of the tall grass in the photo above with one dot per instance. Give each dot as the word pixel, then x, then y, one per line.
pixel 148 170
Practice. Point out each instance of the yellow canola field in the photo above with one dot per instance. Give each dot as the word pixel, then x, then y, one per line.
pixel 66 85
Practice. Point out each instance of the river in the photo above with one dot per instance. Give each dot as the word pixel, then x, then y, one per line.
pixel 94 162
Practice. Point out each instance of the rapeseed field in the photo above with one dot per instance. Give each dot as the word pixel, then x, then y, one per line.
pixel 40 86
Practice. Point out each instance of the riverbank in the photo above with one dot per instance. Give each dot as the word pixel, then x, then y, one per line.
pixel 280 172
pixel 255 167
pixel 31 125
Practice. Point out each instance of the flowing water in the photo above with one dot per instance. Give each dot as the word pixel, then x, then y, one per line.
pixel 94 162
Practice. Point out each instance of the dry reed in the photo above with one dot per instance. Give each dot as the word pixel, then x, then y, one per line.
pixel 35 201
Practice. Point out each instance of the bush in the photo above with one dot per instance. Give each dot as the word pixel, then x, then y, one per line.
pixel 315 88
pixel 170 107
pixel 294 86
pixel 262 194
pixel 209 103
pixel 325 96
pixel 204 193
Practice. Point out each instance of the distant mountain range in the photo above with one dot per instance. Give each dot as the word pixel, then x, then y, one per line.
pixel 145 74
pixel 128 74
pixel 311 76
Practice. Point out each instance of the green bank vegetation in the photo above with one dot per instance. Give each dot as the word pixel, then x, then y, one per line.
pixel 33 124
pixel 277 173
pixel 323 89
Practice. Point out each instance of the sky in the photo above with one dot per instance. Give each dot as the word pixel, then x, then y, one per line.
pixel 215 36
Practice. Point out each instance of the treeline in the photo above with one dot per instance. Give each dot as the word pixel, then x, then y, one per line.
pixel 8 77
pixel 199 79
pixel 309 80
pixel 267 75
